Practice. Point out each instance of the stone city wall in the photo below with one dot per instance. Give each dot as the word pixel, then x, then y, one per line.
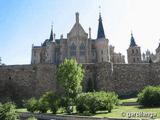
pixel 20 82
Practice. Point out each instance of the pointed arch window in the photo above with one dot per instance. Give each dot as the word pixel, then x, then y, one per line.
pixel 73 50
pixel 82 49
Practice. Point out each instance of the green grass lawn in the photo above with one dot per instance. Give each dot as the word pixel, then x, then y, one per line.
pixel 129 100
pixel 119 111
pixel 126 111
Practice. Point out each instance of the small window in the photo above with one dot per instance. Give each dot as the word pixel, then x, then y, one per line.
pixel 132 51
pixel 102 59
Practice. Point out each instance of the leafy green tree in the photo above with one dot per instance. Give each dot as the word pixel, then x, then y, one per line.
pixel 8 111
pixel 70 75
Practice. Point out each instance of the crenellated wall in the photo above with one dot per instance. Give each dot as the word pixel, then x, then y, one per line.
pixel 20 82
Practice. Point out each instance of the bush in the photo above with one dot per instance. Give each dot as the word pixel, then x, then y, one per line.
pixel 8 111
pixel 150 96
pixel 32 105
pixel 43 105
pixel 54 102
pixel 49 101
pixel 94 101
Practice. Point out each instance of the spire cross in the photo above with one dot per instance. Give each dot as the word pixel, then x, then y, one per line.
pixel 131 33
pixel 99 9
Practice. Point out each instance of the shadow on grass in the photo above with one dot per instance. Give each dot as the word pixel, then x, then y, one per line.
pixel 147 107
pixel 86 113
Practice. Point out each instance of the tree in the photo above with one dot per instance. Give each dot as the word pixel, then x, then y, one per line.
pixel 70 75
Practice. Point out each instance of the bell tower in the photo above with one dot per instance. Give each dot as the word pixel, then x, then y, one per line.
pixel 133 52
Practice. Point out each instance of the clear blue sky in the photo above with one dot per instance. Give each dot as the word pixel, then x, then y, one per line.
pixel 27 22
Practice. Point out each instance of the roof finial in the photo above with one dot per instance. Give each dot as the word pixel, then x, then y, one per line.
pixel 99 11
pixel 131 33
pixel 77 17
pixel 52 25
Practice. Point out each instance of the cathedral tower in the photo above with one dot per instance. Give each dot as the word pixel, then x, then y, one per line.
pixel 134 52
pixel 102 47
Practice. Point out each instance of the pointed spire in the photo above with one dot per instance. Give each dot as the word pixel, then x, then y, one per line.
pixel 51 35
pixel 133 43
pixel 100 28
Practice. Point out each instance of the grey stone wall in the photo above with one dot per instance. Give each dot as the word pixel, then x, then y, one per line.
pixel 20 82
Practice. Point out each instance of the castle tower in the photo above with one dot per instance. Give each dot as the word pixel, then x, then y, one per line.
pixel 133 52
pixel 102 47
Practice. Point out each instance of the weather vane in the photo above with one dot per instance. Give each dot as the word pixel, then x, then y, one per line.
pixel 99 9
pixel 52 24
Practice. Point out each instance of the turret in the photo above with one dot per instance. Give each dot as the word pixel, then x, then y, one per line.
pixel 134 52
pixel 102 47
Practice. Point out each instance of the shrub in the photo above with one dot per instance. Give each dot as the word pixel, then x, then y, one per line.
pixel 49 101
pixel 94 101
pixel 43 105
pixel 54 102
pixel 8 111
pixel 32 105
pixel 150 96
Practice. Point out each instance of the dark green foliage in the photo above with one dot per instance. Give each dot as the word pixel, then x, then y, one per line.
pixel 8 111
pixel 32 105
pixel 43 105
pixel 70 75
pixel 95 101
pixel 150 96
pixel 90 85
pixel 49 101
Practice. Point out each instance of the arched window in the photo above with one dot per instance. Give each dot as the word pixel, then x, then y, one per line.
pixel 73 50
pixel 82 49
pixel 132 51
pixel 136 51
